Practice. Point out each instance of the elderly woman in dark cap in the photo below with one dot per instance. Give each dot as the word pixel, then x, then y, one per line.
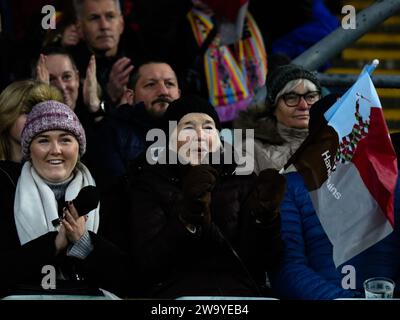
pixel 197 228
pixel 283 125
pixel 49 245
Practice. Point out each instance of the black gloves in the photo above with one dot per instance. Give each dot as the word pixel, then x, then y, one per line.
pixel 197 184
pixel 264 200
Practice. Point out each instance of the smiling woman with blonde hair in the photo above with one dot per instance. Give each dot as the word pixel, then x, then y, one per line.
pixel 16 101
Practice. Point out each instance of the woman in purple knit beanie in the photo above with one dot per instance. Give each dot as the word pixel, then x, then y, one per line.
pixel 47 227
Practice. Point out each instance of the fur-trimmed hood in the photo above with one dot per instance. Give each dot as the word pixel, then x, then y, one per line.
pixel 268 130
pixel 265 128
pixel 274 142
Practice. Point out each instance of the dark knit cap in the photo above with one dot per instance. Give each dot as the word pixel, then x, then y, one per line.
pixel 281 75
pixel 177 109
pixel 51 115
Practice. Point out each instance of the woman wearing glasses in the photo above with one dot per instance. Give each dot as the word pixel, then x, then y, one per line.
pixel 283 125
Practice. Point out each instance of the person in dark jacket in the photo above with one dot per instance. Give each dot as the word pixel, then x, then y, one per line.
pixel 197 228
pixel 301 37
pixel 57 67
pixel 43 231
pixel 101 24
pixel 120 136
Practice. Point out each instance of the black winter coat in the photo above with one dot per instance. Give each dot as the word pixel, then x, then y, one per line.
pixel 228 257
pixel 117 139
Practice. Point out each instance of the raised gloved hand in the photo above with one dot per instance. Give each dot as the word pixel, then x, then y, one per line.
pixel 197 183
pixel 265 198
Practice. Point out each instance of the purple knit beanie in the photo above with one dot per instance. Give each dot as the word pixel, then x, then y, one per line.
pixel 51 115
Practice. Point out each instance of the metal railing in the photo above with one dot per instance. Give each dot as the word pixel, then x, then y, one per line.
pixel 335 42
pixel 347 80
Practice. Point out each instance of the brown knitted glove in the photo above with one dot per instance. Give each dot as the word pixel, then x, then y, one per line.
pixel 197 184
pixel 267 195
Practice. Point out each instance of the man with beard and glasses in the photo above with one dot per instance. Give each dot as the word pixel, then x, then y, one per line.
pixel 119 136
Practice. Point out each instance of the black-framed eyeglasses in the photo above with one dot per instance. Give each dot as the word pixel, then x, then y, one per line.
pixel 292 99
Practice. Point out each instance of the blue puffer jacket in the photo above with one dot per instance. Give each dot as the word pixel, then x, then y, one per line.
pixel 308 271
pixel 303 37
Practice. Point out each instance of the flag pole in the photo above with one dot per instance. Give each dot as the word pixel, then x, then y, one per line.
pixel 370 68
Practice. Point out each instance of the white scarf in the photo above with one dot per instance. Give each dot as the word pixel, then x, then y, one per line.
pixel 35 205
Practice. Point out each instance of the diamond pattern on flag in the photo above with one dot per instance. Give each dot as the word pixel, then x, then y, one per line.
pixel 350 168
